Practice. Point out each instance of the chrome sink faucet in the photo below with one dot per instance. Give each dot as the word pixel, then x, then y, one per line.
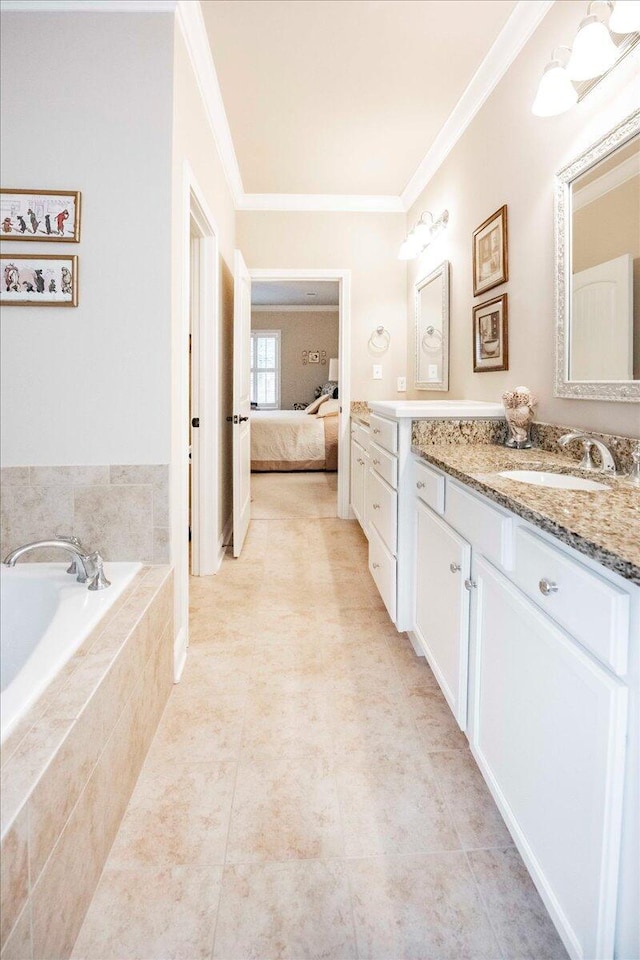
pixel 608 464
pixel 89 567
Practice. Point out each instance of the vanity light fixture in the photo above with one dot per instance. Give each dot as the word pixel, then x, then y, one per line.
pixel 594 53
pixel 556 93
pixel 423 234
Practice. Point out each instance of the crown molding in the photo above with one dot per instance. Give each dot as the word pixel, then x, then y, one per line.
pixel 194 31
pixel 524 20
pixel 293 308
pixel 321 202
pixel 88 6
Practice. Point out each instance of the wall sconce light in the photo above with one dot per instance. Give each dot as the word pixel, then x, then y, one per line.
pixel 424 233
pixel 594 53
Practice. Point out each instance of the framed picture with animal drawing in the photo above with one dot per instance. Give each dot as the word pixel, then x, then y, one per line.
pixel 48 280
pixel 41 215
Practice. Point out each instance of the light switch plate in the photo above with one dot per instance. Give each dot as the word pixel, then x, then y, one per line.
pixel 377 371
pixel 402 384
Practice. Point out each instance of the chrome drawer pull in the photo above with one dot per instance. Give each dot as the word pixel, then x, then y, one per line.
pixel 376 506
pixel 361 461
pixel 376 566
pixel 420 484
pixel 376 463
pixel 376 429
pixel 470 585
pixel 454 567
pixel 547 587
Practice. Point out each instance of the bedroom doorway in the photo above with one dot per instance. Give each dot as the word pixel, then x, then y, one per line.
pixel 300 393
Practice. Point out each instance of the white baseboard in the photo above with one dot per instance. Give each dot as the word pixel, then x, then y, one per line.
pixel 225 538
pixel 180 653
pixel 415 643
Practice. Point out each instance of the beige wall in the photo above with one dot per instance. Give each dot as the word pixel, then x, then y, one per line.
pixel 307 330
pixel 366 244
pixel 509 156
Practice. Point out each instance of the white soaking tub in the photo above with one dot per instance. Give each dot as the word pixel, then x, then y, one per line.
pixel 45 616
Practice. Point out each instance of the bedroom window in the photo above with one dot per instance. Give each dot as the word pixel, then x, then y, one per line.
pixel 265 369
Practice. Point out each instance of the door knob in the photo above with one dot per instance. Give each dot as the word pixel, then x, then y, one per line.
pixel 242 419
pixel 454 567
pixel 195 421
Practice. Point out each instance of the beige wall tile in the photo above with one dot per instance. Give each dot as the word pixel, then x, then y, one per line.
pixel 115 520
pixel 18 945
pixel 34 513
pixel 14 874
pixel 285 910
pixel 21 773
pixel 155 913
pixel 161 544
pixel 157 475
pixel 14 475
pixel 54 476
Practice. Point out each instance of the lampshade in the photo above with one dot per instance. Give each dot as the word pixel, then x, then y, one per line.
pixel 409 248
pixel 555 93
pixel 593 51
pixel 625 17
pixel 422 233
pixel 333 368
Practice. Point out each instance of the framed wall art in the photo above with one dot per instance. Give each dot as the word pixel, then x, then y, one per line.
pixel 490 253
pixel 49 280
pixel 490 335
pixel 42 215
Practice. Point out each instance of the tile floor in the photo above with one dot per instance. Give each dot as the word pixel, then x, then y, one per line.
pixel 308 794
pixel 290 496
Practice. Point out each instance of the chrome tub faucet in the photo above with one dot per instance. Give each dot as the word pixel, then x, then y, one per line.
pixel 608 463
pixel 88 567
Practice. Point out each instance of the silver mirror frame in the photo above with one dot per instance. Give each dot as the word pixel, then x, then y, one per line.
pixel 625 391
pixel 442 270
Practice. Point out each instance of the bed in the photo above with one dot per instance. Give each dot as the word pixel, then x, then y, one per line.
pixel 293 440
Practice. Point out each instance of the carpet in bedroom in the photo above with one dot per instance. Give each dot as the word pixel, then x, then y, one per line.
pixel 292 496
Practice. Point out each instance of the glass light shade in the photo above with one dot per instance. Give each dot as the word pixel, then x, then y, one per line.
pixel 593 51
pixel 625 17
pixel 422 233
pixel 556 94
pixel 409 249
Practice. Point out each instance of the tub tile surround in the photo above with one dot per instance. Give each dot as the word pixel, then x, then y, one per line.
pixel 120 510
pixel 69 768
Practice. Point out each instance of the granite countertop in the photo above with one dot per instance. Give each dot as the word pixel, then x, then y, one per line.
pixel 360 412
pixel 603 525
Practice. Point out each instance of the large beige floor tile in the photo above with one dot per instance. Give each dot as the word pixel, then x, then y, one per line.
pixel 435 722
pixel 361 719
pixel 197 728
pixel 419 908
pixel 474 812
pixel 151 914
pixel 284 810
pixel 392 805
pixel 520 920
pixel 177 818
pixel 288 719
pixel 289 911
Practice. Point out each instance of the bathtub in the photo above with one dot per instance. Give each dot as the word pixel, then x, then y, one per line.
pixel 45 616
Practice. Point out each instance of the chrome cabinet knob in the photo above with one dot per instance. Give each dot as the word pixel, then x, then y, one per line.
pixel 376 463
pixel 376 566
pixel 420 484
pixel 547 587
pixel 454 567
pixel 376 429
pixel 470 585
pixel 376 506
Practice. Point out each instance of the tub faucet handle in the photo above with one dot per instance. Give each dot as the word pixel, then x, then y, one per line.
pixel 98 581
pixel 73 566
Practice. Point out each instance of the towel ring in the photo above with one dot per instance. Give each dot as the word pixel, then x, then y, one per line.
pixel 431 347
pixel 383 339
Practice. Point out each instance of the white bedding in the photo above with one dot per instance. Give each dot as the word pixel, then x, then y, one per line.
pixel 288 435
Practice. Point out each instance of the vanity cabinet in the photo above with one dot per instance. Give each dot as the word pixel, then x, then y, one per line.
pixel 548 731
pixel 359 471
pixel 443 564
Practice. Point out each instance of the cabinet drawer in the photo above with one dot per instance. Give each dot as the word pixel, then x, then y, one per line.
pixel 385 433
pixel 595 611
pixel 382 503
pixel 382 567
pixel 385 464
pixel 360 434
pixel 429 486
pixel 489 530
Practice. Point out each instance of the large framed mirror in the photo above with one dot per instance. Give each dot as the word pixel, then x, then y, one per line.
pixel 598 269
pixel 432 330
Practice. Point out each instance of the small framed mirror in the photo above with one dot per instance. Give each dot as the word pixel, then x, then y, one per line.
pixel 432 330
pixel 598 269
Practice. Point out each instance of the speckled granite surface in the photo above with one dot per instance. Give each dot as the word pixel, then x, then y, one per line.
pixel 360 411
pixel 546 436
pixel 603 525
pixel 458 431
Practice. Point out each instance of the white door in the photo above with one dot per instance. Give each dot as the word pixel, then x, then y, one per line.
pixel 601 346
pixel 194 410
pixel 241 403
pixel 548 730
pixel 443 563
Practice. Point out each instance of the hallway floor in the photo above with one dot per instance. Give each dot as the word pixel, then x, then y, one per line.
pixel 308 793
pixel 294 496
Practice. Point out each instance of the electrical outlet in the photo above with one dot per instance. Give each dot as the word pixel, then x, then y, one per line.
pixel 377 371
pixel 433 371
pixel 402 384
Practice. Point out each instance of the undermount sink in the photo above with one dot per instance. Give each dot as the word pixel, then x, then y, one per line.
pixel 561 481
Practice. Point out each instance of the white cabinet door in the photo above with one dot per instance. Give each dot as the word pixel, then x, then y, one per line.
pixel 548 729
pixel 443 562
pixel 357 481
